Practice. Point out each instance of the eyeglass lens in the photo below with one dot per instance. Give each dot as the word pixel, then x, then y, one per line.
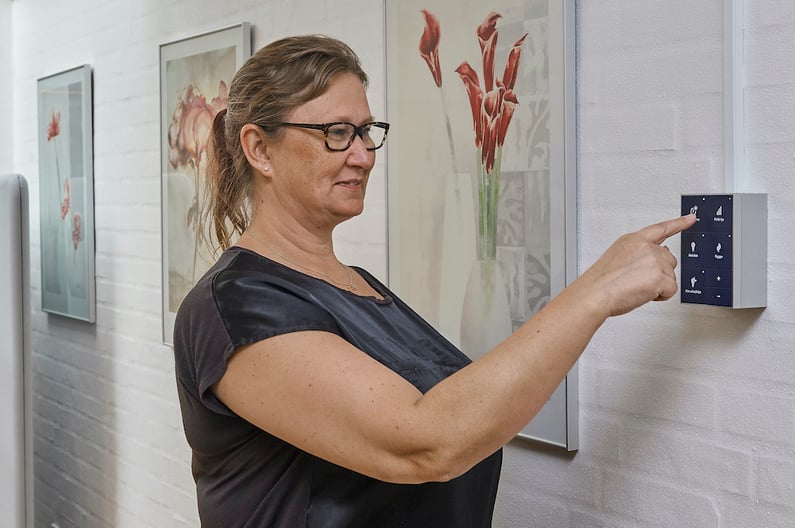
pixel 340 136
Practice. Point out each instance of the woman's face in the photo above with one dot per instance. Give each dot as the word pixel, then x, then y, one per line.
pixel 312 182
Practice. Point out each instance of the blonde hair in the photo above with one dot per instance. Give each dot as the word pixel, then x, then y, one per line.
pixel 265 90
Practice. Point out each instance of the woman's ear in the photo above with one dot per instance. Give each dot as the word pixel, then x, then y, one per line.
pixel 255 147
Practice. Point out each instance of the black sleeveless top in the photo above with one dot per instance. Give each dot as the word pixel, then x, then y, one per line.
pixel 246 477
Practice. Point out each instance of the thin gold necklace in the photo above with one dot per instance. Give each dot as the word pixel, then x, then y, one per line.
pixel 348 286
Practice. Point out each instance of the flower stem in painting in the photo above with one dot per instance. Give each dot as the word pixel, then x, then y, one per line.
pixel 488 201
pixel 429 51
pixel 450 143
pixel 53 131
pixel 492 104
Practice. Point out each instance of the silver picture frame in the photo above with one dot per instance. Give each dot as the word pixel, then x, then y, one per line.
pixel 195 74
pixel 66 194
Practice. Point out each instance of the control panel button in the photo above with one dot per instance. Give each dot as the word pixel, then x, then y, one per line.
pixel 713 212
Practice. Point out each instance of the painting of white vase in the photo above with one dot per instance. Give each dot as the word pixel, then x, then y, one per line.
pixel 481 169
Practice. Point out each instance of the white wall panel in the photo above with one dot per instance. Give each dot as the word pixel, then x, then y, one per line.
pixel 15 389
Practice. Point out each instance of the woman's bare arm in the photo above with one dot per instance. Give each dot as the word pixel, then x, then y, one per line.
pixel 321 394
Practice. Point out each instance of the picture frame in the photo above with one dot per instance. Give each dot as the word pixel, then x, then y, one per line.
pixel 481 172
pixel 195 74
pixel 66 193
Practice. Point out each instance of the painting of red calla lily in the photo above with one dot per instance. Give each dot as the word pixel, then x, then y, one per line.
pixel 66 194
pixel 481 168
pixel 492 103
pixel 195 74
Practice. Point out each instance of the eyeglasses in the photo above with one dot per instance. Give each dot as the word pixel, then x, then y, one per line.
pixel 340 135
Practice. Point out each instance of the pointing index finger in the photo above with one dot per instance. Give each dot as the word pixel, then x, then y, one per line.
pixel 659 232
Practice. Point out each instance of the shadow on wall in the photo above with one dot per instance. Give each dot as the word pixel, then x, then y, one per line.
pixel 74 425
pixel 670 386
pixel 667 413
pixel 645 435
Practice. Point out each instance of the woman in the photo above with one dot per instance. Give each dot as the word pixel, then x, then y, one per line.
pixel 311 395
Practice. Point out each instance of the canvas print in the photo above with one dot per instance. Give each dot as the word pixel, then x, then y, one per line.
pixel 480 169
pixel 195 74
pixel 66 201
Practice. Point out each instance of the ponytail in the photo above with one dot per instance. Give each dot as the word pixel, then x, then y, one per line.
pixel 226 212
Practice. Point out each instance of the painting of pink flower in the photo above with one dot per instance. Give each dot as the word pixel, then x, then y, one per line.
pixel 65 159
pixel 191 124
pixel 77 234
pixel 67 200
pixel 188 139
pixel 194 89
pixel 54 128
pixel 66 214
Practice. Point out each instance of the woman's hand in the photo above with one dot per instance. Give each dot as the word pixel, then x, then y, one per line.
pixel 345 407
pixel 636 269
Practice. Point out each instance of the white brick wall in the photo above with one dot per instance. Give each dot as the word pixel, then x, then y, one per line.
pixel 6 104
pixel 109 445
pixel 687 412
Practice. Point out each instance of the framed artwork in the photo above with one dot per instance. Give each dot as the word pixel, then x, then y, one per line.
pixel 482 172
pixel 66 194
pixel 195 74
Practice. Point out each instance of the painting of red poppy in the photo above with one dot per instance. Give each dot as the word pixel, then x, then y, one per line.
pixel 66 195
pixel 195 74
pixel 481 171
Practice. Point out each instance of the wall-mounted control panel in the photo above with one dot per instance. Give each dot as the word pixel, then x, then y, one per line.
pixel 724 254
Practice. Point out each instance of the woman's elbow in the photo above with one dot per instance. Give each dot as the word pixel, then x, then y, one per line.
pixel 428 466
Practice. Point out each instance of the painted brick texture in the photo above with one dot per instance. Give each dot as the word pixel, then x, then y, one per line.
pixel 687 412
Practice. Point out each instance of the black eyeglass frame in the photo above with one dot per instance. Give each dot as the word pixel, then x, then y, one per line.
pixel 357 131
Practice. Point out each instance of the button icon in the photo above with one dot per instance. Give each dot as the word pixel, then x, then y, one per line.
pixel 718 218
